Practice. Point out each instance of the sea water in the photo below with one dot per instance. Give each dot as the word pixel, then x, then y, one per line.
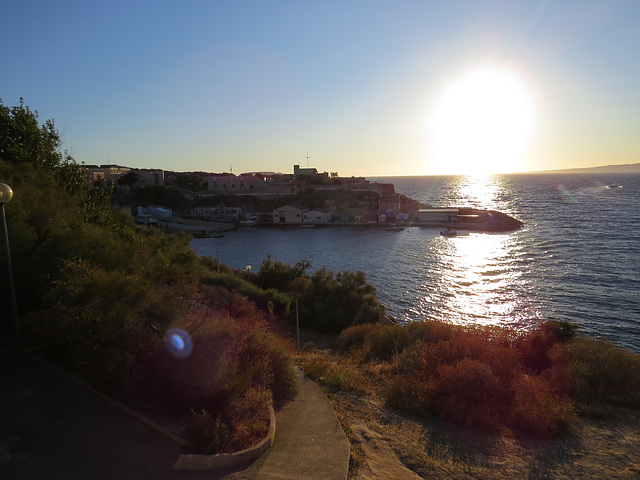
pixel 576 259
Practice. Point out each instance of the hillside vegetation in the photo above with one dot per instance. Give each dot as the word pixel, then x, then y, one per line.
pixel 138 313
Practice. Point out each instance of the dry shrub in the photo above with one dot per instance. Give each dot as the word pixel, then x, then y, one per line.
pixel 206 434
pixel 382 342
pixel 408 393
pixel 559 374
pixel 604 372
pixel 353 337
pixel 333 375
pixel 233 371
pixel 537 409
pixel 534 350
pixel 431 331
pixel 467 393
pixel 385 341
pixel 475 378
pixel 250 418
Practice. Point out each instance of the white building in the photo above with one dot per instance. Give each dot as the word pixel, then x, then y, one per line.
pixel 289 214
pixel 219 212
pixel 437 215
pixel 316 216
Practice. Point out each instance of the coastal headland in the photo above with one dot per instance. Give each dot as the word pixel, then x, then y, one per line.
pixel 203 204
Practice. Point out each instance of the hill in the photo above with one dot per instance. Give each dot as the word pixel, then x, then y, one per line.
pixel 625 168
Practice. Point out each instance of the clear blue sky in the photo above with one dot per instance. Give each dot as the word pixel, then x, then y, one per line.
pixel 256 85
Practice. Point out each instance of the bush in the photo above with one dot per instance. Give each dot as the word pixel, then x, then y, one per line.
pixel 278 275
pixel 234 370
pixel 537 408
pixel 561 331
pixel 353 338
pixel 375 341
pixel 250 414
pixel 205 435
pixel 431 331
pixel 280 302
pixel 335 376
pixel 467 393
pixel 478 378
pixel 103 319
pixel 603 372
pixel 409 393
pixel 330 303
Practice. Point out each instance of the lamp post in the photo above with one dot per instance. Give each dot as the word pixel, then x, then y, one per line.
pixel 6 194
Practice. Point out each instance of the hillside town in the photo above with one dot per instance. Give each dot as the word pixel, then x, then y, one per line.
pixel 305 196
pixel 203 203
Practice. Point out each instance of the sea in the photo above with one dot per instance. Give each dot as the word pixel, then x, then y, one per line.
pixel 576 259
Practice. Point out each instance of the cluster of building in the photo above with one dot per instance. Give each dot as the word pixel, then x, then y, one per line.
pixel 113 173
pixel 378 203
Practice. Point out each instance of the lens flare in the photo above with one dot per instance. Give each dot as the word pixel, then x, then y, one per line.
pixel 566 195
pixel 178 342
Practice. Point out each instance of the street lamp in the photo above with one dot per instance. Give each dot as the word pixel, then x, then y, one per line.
pixel 6 194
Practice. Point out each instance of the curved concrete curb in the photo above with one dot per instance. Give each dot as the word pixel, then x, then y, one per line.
pixel 227 460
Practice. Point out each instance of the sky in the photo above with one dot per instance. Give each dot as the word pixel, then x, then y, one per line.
pixel 358 87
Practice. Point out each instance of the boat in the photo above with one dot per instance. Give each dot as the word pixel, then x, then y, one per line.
pixel 247 223
pixel 447 232
pixel 394 228
pixel 307 225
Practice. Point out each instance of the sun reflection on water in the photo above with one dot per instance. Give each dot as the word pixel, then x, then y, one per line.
pixel 479 280
pixel 479 191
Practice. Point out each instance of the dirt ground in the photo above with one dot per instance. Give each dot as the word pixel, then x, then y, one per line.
pixel 398 447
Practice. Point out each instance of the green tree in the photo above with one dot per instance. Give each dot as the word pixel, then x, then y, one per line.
pixel 22 140
pixel 330 303
pixel 52 200
pixel 278 275
pixel 128 179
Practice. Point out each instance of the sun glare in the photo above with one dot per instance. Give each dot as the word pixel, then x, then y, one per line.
pixel 482 123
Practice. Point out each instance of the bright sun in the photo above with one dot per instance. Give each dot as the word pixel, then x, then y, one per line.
pixel 482 123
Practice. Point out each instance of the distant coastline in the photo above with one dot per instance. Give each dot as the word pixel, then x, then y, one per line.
pixel 624 168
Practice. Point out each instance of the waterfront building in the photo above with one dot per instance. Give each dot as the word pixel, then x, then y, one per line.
pixel 437 215
pixel 319 216
pixel 289 214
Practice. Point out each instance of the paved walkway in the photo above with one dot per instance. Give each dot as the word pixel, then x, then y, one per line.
pixel 53 428
pixel 310 442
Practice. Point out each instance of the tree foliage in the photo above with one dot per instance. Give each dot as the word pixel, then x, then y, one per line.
pixel 332 302
pixel 327 302
pixel 52 200
pixel 23 141
pixel 276 274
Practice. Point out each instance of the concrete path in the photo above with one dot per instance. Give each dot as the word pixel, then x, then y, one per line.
pixel 51 427
pixel 309 442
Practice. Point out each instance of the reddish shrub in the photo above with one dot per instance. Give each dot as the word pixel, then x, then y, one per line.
pixel 408 392
pixel 559 375
pixel 537 409
pixel 431 331
pixel 534 350
pixel 467 393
